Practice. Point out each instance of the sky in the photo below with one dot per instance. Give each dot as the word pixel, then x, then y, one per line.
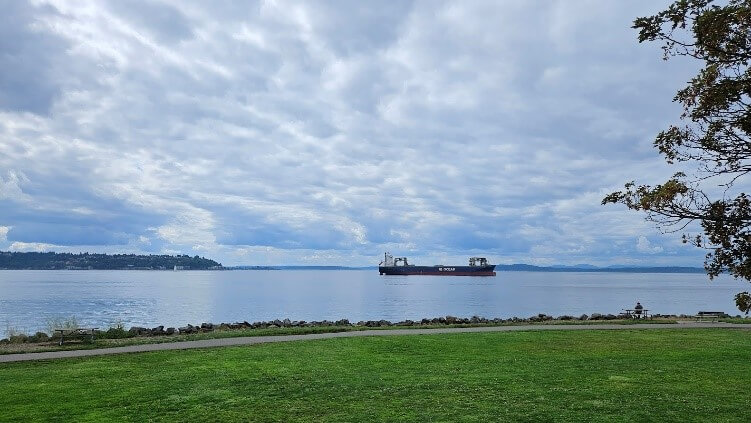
pixel 329 132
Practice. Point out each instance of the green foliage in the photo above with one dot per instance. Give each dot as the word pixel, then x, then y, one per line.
pixel 117 331
pixel 714 133
pixel 51 261
pixel 743 301
pixel 656 375
pixel 59 322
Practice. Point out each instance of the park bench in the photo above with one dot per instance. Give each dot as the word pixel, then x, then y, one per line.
pixel 80 333
pixel 712 315
pixel 630 313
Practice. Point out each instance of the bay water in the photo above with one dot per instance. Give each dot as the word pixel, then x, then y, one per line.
pixel 30 299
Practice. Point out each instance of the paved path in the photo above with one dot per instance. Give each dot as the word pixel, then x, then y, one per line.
pixel 252 340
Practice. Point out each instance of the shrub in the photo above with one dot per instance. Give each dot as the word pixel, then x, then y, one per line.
pixel 58 322
pixel 39 337
pixel 19 338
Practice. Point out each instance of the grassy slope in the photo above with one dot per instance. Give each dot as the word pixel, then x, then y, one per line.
pixel 657 375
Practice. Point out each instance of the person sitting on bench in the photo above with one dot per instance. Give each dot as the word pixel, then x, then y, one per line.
pixel 637 309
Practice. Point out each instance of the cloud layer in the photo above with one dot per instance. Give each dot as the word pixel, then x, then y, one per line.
pixel 320 132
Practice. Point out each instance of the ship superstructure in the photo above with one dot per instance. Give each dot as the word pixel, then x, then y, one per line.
pixel 478 266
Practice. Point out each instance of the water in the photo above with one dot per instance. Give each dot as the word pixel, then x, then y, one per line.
pixel 28 299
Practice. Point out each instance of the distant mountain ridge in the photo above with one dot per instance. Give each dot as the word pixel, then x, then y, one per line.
pixel 590 268
pixel 511 268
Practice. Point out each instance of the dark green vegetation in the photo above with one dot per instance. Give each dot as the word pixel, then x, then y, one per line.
pixel 654 375
pixel 52 261
pixel 714 134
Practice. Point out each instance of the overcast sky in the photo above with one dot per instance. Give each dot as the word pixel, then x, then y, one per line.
pixel 325 132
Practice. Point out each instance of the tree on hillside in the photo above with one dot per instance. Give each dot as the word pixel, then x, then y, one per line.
pixel 714 135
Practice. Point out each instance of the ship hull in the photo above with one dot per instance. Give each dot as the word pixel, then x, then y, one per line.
pixel 488 270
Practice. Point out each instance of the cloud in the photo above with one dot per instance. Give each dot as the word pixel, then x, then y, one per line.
pixel 304 132
pixel 644 246
pixel 31 247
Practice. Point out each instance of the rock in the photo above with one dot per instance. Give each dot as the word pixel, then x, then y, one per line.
pixel 159 330
pixel 450 320
pixel 566 317
pixel 223 326
pixel 170 331
pixel 286 323
pixel 188 329
pixel 583 317
pixel 342 322
pixel 595 316
pixel 139 331
pixel 610 316
pixel 207 327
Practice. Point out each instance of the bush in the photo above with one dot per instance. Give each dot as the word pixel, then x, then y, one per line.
pixel 39 337
pixel 19 339
pixel 117 331
pixel 58 322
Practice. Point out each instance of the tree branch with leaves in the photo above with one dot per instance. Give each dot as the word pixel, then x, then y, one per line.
pixel 714 135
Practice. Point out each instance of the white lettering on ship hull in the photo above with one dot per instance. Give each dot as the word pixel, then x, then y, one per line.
pixel 447 269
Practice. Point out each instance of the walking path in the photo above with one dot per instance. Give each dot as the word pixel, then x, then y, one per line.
pixel 252 340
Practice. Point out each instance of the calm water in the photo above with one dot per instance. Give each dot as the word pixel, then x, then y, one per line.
pixel 28 299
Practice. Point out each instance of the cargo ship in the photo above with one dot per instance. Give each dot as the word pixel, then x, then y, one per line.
pixel 478 266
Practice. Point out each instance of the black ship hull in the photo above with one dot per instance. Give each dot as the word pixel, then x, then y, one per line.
pixel 487 270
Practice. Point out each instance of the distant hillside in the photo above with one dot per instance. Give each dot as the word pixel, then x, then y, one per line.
pixel 82 261
pixel 589 268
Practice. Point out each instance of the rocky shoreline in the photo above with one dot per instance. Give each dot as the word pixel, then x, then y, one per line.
pixel 138 331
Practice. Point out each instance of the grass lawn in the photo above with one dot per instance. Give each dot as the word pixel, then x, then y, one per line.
pixel 624 375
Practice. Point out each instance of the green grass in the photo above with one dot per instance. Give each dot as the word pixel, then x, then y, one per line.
pixel 77 344
pixel 625 375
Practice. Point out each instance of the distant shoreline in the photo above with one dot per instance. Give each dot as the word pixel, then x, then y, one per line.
pixel 499 268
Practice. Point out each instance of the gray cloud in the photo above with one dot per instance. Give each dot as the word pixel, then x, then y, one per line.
pixel 27 82
pixel 311 132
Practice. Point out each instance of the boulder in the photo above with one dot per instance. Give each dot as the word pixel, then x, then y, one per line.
pixel 286 323
pixel 139 331
pixel 207 327
pixel 342 322
pixel 583 317
pixel 595 316
pixel 170 331
pixel 188 329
